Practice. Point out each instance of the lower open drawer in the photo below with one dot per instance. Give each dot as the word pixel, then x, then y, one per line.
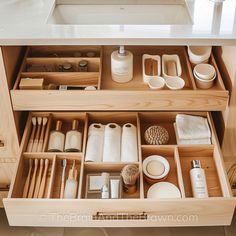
pixel 131 209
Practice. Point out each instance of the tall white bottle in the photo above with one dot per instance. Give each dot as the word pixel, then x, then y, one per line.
pixel 198 180
pixel 122 65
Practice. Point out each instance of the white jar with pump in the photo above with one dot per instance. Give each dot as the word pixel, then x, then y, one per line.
pixel 198 180
pixel 122 65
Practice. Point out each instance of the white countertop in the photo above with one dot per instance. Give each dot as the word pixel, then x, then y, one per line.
pixel 24 22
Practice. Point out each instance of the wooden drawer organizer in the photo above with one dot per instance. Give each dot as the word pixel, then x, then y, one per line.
pixel 218 209
pixel 110 95
pixel 56 56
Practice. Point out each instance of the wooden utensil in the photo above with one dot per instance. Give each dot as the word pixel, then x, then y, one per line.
pixel 63 165
pixel 26 187
pixel 31 140
pixel 36 139
pixel 39 178
pixel 32 183
pixel 41 140
pixel 43 182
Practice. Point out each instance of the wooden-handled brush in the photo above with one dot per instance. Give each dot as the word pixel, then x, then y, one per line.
pixel 41 140
pixel 39 178
pixel 31 140
pixel 32 183
pixel 36 139
pixel 26 187
pixel 43 182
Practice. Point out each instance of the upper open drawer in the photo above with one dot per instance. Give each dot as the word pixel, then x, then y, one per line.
pixel 47 62
pixel 132 208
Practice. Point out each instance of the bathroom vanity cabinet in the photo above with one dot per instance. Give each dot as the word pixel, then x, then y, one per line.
pixel 132 102
pixel 49 34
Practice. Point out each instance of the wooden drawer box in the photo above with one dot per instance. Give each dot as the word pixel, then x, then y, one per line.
pixel 132 210
pixel 110 95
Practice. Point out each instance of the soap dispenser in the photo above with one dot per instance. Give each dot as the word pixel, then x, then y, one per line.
pixel 73 141
pixel 122 65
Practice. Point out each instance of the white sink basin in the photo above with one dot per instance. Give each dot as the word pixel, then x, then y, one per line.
pixel 121 12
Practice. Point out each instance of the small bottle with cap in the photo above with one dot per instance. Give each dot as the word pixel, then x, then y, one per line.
pixel 105 191
pixel 73 141
pixel 83 66
pixel 122 65
pixel 56 139
pixel 198 180
pixel 66 67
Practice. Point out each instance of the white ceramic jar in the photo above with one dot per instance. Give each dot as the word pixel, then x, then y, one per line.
pixel 122 65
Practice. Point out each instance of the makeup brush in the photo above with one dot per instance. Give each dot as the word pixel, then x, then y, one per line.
pixel 43 182
pixel 36 191
pixel 130 174
pixel 31 140
pixel 36 139
pixel 63 165
pixel 26 187
pixel 41 140
pixel 32 183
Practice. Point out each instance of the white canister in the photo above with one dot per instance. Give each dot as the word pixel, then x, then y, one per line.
pixel 122 65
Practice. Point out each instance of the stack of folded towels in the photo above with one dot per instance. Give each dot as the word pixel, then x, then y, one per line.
pixel 192 130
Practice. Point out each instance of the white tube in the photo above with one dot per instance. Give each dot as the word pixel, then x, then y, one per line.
pixel 115 188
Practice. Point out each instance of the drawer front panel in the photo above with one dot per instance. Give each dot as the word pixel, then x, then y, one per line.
pixel 9 145
pixel 81 213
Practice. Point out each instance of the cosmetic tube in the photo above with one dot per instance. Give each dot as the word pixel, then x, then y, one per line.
pixel 115 188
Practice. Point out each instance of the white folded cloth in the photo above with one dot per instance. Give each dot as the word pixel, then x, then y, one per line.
pixel 190 141
pixel 94 149
pixel 129 143
pixel 192 127
pixel 112 143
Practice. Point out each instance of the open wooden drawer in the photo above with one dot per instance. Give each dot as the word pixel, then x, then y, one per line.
pixel 134 95
pixel 132 210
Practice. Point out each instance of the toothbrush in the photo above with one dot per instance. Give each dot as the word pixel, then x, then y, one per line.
pixel 41 140
pixel 43 182
pixel 63 165
pixel 36 140
pixel 36 191
pixel 26 187
pixel 31 140
pixel 32 184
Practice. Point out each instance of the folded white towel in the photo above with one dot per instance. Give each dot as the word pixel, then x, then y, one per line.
pixel 190 141
pixel 192 127
pixel 129 143
pixel 94 149
pixel 112 143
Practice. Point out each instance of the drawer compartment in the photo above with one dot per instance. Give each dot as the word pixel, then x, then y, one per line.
pixel 132 208
pixel 134 95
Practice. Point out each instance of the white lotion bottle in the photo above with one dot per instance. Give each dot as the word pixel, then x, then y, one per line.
pixel 198 180
pixel 122 65
pixel 56 139
pixel 73 141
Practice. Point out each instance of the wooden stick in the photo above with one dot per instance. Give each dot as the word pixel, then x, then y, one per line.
pixel 43 182
pixel 32 184
pixel 26 187
pixel 39 178
pixel 31 140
